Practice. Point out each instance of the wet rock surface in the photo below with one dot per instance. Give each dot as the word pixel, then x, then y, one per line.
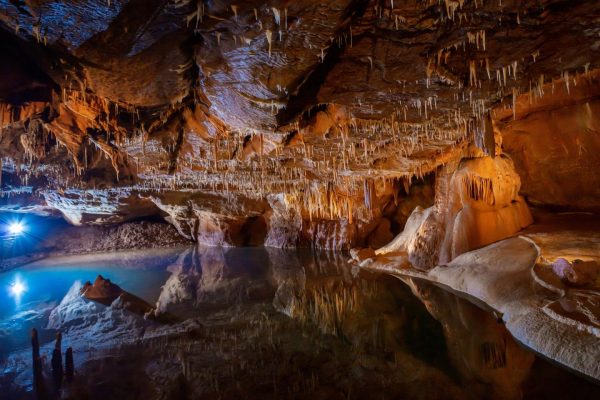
pixel 515 278
pixel 51 237
pixel 577 273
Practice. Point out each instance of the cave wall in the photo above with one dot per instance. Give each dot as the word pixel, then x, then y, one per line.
pixel 555 146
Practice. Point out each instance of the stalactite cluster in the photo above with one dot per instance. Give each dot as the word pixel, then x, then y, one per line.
pixel 248 99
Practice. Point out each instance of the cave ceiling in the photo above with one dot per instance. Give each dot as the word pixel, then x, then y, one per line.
pixel 251 98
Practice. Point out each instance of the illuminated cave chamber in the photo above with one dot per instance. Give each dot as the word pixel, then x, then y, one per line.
pixel 413 135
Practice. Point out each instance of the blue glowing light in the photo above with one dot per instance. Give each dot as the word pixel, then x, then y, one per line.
pixel 16 228
pixel 17 288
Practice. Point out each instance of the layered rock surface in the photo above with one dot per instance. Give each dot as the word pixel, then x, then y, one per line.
pixel 289 123
pixel 554 143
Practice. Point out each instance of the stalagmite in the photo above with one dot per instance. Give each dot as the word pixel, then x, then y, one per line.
pixel 69 365
pixel 57 366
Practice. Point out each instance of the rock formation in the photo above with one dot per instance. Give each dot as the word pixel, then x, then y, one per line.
pixel 297 123
pixel 420 136
pixel 102 290
pixel 478 204
pixel 577 273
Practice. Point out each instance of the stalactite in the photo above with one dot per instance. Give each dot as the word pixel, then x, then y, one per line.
pixel 276 15
pixel 514 102
pixel 479 188
pixel 472 73
pixel 269 36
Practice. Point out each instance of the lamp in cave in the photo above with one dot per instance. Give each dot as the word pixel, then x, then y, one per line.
pixel 16 228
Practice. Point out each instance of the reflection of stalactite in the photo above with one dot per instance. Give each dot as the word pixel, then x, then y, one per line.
pixel 494 355
pixel 39 386
pixel 368 194
pixel 330 307
pixel 69 365
pixel 479 188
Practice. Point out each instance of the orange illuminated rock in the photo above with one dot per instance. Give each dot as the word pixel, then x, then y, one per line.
pixel 362 254
pixel 484 205
pixel 555 144
pixel 111 295
pixel 477 204
pixel 198 112
pixel 103 291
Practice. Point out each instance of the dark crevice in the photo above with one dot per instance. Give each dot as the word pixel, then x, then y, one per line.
pixel 308 115
pixel 254 231
pixel 289 137
pixel 306 95
pixel 21 5
pixel 23 81
pixel 175 154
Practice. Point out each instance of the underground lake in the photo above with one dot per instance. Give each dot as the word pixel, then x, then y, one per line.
pixel 261 323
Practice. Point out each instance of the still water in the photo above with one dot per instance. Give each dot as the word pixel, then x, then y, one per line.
pixel 263 323
pixel 45 285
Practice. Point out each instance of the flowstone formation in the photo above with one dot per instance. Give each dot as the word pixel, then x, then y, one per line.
pixel 303 123
pixel 476 205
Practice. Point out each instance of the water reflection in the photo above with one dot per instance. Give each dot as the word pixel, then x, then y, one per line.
pixel 268 323
pixel 489 362
pixel 16 289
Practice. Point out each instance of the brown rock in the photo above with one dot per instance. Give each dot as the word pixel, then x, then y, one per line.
pixel 102 291
pixel 199 114
pixel 362 254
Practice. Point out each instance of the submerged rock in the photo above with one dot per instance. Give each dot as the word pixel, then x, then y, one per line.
pixel 576 273
pixel 361 255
